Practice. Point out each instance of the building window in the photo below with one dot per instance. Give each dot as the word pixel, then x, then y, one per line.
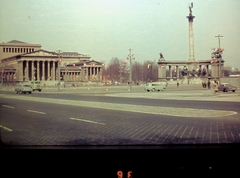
pixel 15 50
pixel 12 50
pixel 4 50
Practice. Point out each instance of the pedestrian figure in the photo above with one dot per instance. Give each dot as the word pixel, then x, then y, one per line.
pixel 215 86
pixel 209 84
pixel 177 83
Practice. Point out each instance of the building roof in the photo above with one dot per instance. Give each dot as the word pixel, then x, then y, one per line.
pixel 73 54
pixel 15 41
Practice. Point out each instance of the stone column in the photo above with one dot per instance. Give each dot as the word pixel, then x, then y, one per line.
pixel 170 72
pixel 177 71
pixel 53 71
pixel 191 40
pixel 38 69
pixel 48 72
pixel 97 72
pixel 32 74
pixel 19 73
pixel 100 74
pixel 86 76
pixel 90 73
pixel 43 70
pixel 27 71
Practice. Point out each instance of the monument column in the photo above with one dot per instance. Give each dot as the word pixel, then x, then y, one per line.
pixel 191 38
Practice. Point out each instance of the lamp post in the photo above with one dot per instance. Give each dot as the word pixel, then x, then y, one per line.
pixel 130 57
pixel 59 77
pixel 220 58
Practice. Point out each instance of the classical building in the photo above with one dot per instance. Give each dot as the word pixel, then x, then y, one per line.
pixel 29 62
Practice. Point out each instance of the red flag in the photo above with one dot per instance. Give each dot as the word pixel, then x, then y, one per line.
pixel 124 63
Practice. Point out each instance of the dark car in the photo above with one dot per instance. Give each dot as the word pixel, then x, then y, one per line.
pixel 225 87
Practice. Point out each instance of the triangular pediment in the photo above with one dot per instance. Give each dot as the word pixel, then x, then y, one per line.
pixel 93 63
pixel 40 53
pixel 15 41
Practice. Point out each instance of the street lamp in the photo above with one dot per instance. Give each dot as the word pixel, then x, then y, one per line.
pixel 59 78
pixel 130 57
pixel 220 58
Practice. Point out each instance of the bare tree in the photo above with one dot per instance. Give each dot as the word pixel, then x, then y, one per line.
pixel 113 70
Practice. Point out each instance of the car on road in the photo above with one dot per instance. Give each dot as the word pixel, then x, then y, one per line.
pixel 225 87
pixel 36 85
pixel 23 89
pixel 155 86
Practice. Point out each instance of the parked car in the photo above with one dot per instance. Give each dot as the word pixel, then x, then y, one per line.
pixel 225 87
pixel 23 88
pixel 155 86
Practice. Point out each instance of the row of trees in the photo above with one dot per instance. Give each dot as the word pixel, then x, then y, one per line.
pixel 118 71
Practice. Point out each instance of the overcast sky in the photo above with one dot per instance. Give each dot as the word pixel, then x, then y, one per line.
pixel 105 29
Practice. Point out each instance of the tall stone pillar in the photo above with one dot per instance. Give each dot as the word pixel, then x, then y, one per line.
pixel 53 71
pixel 177 71
pixel 43 70
pixel 90 73
pixel 32 74
pixel 20 71
pixel 38 69
pixel 170 72
pixel 48 70
pixel 100 74
pixel 191 37
pixel 27 71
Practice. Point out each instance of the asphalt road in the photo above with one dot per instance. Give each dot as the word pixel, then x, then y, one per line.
pixel 116 116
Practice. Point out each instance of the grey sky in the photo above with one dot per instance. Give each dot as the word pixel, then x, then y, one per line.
pixel 108 28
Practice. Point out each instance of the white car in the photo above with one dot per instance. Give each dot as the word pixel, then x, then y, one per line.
pixel 23 89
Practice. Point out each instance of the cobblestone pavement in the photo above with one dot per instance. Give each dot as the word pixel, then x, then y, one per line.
pixel 126 124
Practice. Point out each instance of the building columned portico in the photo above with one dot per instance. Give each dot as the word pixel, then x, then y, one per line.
pixel 42 65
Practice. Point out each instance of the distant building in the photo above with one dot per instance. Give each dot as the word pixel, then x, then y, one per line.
pixel 21 61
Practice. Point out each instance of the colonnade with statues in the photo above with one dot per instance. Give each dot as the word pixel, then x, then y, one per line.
pixel 165 69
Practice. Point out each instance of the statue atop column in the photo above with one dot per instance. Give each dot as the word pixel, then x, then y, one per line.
pixel 190 9
pixel 161 57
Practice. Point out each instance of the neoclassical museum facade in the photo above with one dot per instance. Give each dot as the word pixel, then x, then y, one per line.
pixel 29 62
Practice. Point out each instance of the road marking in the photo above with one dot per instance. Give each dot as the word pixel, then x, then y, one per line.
pixel 36 112
pixel 5 128
pixel 87 121
pixel 8 106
